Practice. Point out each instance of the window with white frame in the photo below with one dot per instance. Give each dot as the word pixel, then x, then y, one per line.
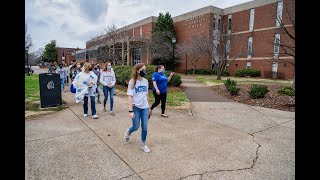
pixel 62 52
pixel 140 31
pixel 279 13
pixel 248 66
pixel 251 20
pixel 276 45
pixel 229 22
pixel 249 47
pixel 133 32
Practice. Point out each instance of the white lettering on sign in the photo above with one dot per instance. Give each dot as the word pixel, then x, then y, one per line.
pixel 195 22
pixel 50 85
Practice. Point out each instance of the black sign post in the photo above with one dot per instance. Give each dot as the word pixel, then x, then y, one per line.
pixel 50 90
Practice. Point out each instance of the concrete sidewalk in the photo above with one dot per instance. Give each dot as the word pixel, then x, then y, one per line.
pixel 222 140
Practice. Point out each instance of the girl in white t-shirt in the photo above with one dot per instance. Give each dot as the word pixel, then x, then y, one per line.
pixel 138 104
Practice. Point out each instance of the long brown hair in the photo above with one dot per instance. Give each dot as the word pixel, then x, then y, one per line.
pixel 106 66
pixel 134 74
pixel 156 69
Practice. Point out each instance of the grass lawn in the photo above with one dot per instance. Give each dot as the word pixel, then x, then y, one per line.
pixel 32 94
pixel 212 80
pixel 175 96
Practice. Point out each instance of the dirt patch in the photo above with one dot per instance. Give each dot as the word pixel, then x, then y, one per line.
pixel 271 100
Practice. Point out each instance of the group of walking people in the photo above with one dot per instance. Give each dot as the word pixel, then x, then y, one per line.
pixel 87 79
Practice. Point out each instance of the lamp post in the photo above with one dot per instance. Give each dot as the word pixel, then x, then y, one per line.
pixel 173 42
pixel 27 49
pixel 186 62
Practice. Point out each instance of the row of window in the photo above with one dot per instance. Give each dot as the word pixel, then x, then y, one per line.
pixel 68 51
pixel 140 28
pixel 276 48
pixel 251 19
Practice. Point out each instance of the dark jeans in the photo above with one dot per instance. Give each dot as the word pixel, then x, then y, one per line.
pixel 106 89
pixel 93 105
pixel 158 98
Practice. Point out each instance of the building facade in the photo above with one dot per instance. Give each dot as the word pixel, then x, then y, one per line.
pixel 253 27
pixel 66 55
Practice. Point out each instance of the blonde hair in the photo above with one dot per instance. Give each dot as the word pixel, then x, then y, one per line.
pixel 86 66
pixel 134 74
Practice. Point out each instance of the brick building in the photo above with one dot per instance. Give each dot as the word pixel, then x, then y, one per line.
pixel 253 24
pixel 66 55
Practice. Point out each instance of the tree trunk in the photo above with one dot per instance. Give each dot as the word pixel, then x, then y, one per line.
pixel 219 76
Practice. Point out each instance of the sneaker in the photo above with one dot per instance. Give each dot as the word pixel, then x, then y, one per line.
pixel 145 148
pixel 104 109
pixel 99 102
pixel 95 117
pixel 163 115
pixel 112 113
pixel 85 115
pixel 126 135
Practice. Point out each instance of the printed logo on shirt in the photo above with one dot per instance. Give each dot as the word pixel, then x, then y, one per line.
pixel 141 89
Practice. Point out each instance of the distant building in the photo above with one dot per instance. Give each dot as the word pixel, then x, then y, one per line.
pixel 66 55
pixel 253 22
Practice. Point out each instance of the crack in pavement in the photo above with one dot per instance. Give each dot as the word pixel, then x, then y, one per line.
pixel 224 170
pixel 106 144
pixel 127 176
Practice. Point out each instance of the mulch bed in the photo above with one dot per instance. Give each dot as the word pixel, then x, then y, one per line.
pixel 271 100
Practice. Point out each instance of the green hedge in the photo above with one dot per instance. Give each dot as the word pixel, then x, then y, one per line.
pixel 247 72
pixel 123 75
pixel 258 91
pixel 208 72
pixel 289 91
pixel 231 86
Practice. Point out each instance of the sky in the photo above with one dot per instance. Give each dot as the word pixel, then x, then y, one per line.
pixel 73 22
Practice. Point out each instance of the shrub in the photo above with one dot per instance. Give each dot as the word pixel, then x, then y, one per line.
pixel 200 71
pixel 274 75
pixel 230 83
pixel 123 75
pixel 231 86
pixel 224 72
pixel 258 91
pixel 289 91
pixel 234 90
pixel 247 72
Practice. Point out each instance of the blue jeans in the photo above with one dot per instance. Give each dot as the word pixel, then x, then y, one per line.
pixel 106 89
pixel 142 114
pixel 93 105
pixel 62 84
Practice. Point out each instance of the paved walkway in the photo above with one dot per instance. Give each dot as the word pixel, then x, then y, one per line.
pixel 221 140
pixel 198 92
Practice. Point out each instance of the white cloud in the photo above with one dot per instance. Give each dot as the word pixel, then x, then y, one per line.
pixel 73 22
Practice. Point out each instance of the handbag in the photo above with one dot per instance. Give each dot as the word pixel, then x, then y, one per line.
pixel 72 89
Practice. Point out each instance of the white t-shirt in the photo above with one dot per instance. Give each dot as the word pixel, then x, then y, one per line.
pixel 139 93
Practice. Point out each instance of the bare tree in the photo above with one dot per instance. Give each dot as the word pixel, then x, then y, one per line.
pixel 218 45
pixel 28 40
pixel 284 43
pixel 193 50
pixel 113 35
pixel 161 47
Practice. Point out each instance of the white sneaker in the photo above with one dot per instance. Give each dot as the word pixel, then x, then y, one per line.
pixel 95 117
pixel 145 148
pixel 85 115
pixel 126 135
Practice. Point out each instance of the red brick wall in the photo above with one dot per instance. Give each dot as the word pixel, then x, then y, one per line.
pixel 263 66
pixel 184 31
